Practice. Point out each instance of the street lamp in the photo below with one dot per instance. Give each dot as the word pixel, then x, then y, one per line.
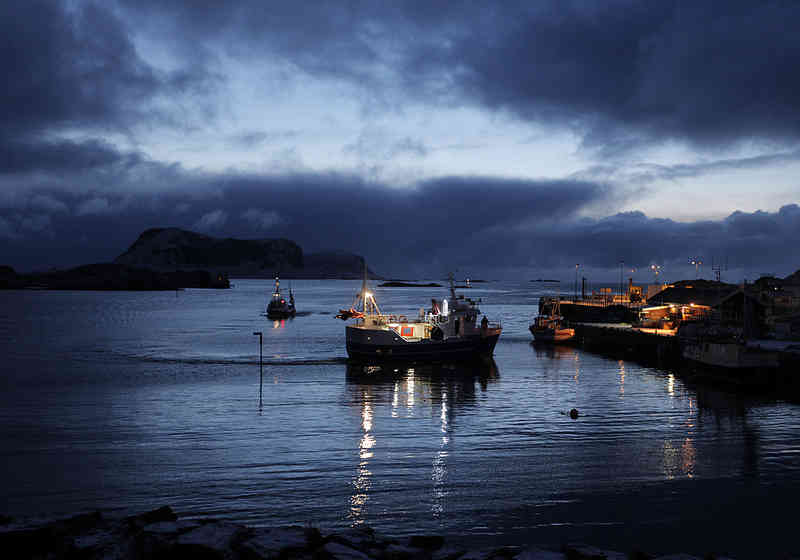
pixel 576 281
pixel 656 271
pixel 697 262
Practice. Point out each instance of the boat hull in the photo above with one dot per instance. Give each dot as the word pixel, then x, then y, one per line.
pixel 552 335
pixel 280 311
pixel 386 345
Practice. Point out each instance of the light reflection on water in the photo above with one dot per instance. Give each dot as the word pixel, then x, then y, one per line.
pixel 136 400
pixel 361 482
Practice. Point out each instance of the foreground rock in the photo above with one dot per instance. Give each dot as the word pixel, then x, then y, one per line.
pixel 160 534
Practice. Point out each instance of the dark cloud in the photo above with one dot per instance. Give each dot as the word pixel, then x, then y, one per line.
pixel 749 242
pixel 28 155
pixel 488 226
pixel 621 73
pixel 625 72
pixel 434 224
pixel 74 70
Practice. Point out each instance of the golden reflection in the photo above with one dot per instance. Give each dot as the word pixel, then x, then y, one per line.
pixel 362 482
pixel 688 457
pixel 681 460
pixel 443 415
pixel 278 324
pixel 621 378
pixel 439 479
pixel 671 385
pixel 439 391
pixel 439 473
pixel 577 368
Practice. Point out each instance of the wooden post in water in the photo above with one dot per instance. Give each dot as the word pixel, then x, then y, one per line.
pixel 260 369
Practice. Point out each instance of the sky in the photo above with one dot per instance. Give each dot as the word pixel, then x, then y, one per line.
pixel 497 140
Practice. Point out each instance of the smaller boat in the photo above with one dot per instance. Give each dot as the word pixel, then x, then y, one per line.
pixel 278 307
pixel 550 327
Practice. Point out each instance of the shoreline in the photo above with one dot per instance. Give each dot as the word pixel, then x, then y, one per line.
pixel 160 533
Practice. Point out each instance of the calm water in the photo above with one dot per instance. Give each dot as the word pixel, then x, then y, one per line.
pixel 128 401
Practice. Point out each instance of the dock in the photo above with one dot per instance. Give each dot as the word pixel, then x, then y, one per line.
pixel 663 348
pixel 621 340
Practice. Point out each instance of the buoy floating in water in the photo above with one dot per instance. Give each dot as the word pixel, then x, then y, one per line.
pixel 573 413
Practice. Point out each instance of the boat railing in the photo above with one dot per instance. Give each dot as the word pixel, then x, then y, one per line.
pixel 389 318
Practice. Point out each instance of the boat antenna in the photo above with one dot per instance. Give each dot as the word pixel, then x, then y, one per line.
pixel 364 286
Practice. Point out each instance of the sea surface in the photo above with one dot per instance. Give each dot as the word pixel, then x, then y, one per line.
pixel 127 401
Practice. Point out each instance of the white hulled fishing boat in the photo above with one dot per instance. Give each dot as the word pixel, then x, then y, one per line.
pixel 449 330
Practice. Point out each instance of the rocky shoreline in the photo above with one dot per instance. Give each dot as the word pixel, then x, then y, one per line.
pixel 160 534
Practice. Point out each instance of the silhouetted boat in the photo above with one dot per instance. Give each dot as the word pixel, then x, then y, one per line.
pixel 278 307
pixel 729 355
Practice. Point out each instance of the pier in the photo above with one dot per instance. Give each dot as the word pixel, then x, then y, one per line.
pixel 621 340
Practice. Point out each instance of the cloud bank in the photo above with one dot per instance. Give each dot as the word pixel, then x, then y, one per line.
pixel 490 226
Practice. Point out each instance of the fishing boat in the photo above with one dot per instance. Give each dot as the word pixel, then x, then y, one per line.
pixel 278 307
pixel 729 355
pixel 448 330
pixel 733 348
pixel 549 326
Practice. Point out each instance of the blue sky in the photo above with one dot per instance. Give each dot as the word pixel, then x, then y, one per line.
pixel 509 140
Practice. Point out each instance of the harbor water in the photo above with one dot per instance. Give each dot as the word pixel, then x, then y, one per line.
pixel 127 401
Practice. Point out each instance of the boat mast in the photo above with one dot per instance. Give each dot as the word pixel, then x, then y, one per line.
pixel 364 287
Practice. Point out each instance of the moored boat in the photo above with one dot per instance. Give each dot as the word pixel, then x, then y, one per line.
pixel 278 307
pixel 449 330
pixel 550 327
pixel 734 355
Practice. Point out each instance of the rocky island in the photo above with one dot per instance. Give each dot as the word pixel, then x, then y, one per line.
pixel 173 248
pixel 172 258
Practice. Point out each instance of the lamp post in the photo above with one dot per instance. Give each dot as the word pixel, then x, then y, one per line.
pixel 621 274
pixel 656 271
pixel 576 281
pixel 260 368
pixel 697 262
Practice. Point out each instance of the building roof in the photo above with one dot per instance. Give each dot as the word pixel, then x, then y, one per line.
pixel 708 295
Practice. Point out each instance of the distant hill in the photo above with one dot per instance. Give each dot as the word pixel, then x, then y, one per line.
pixel 793 279
pixel 167 249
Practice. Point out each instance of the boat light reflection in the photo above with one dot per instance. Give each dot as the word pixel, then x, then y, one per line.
pixel 362 482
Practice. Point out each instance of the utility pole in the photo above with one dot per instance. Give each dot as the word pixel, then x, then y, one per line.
pixel 260 369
